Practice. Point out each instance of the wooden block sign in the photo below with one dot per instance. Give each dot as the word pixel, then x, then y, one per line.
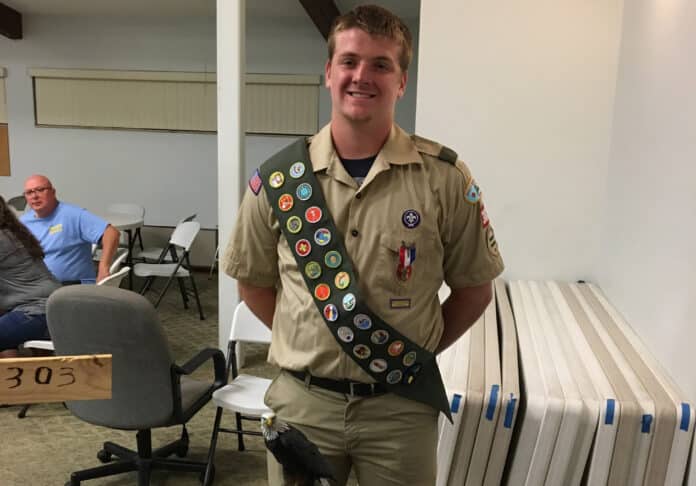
pixel 55 379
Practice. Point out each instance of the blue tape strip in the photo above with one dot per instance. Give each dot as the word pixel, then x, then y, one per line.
pixel 490 411
pixel 455 402
pixel 647 420
pixel 509 412
pixel 686 416
pixel 609 416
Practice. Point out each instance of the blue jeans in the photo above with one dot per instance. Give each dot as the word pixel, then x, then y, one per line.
pixel 17 327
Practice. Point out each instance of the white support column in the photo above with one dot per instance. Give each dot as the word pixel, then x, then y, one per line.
pixel 231 65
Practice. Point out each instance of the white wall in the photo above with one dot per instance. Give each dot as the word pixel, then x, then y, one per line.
pixel 647 265
pixel 170 174
pixel 524 94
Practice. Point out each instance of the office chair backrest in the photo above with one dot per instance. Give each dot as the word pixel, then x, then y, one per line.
pixel 18 202
pixel 91 319
pixel 247 327
pixel 184 234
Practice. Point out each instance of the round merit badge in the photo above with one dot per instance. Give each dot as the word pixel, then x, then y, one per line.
pixel 342 280
pixel 322 236
pixel 394 377
pixel 294 224
pixel 330 312
pixel 362 321
pixel 380 336
pixel 322 292
pixel 409 358
pixel 361 351
pixel 276 180
pixel 285 202
pixel 297 170
pixel 303 247
pixel 345 334
pixel 410 218
pixel 312 270
pixel 313 214
pixel 395 348
pixel 333 259
pixel 349 302
pixel 304 191
pixel 378 365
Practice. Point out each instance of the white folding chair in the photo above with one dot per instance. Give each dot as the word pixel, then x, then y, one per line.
pixel 244 394
pixel 114 279
pixel 182 238
pixel 119 257
pixel 153 254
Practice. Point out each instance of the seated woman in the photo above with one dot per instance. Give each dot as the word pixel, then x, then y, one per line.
pixel 25 284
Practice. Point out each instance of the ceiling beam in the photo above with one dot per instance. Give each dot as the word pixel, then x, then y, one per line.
pixel 322 13
pixel 10 22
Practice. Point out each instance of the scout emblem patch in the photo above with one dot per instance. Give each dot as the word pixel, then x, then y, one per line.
pixel 255 182
pixel 410 218
pixel 407 255
pixel 473 193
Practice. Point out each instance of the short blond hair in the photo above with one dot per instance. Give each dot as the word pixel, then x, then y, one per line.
pixel 375 20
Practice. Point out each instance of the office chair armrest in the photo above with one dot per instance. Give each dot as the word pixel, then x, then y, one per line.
pixel 194 363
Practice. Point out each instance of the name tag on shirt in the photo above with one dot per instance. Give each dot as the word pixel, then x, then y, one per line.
pixel 55 229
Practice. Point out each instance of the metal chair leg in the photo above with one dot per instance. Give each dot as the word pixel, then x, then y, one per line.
pixel 195 294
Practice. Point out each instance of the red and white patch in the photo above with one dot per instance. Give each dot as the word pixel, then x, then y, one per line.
pixel 255 182
pixel 313 214
pixel 484 216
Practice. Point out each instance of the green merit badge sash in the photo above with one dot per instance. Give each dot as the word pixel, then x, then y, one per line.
pixel 404 367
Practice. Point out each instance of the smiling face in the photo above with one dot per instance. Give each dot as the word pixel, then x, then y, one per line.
pixel 40 195
pixel 364 79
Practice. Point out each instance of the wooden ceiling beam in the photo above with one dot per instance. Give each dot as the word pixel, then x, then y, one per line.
pixel 322 13
pixel 10 22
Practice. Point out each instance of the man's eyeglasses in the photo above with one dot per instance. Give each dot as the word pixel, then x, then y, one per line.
pixel 38 190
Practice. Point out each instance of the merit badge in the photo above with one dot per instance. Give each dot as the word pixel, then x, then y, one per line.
pixel 473 193
pixel 294 224
pixel 410 375
pixel 394 377
pixel 490 241
pixel 409 358
pixel 342 280
pixel 345 334
pixel 255 182
pixel 304 191
pixel 313 214
pixel 395 348
pixel 330 312
pixel 484 216
pixel 380 336
pixel 303 247
pixel 333 259
pixel 362 321
pixel 322 236
pixel 297 170
pixel 407 255
pixel 322 292
pixel 361 351
pixel 378 365
pixel 410 218
pixel 313 270
pixel 285 202
pixel 276 180
pixel 349 302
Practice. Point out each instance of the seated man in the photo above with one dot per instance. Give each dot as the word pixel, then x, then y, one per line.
pixel 66 234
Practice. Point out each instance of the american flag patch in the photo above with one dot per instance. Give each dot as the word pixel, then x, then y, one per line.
pixel 255 182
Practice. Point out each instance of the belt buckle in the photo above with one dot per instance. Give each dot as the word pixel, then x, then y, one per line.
pixel 353 384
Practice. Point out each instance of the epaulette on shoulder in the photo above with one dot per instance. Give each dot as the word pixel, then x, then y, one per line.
pixel 434 149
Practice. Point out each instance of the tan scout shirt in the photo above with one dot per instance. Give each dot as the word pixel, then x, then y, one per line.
pixel 454 241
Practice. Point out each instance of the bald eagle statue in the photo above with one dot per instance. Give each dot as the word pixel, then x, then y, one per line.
pixel 303 464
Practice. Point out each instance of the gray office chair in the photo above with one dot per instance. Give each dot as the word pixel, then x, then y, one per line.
pixel 148 389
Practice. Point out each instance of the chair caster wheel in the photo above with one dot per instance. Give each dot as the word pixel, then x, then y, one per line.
pixel 104 456
pixel 211 475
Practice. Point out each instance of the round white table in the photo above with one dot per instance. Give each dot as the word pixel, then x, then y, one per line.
pixel 131 225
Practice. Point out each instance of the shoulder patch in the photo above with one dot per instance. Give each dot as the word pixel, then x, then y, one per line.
pixel 434 149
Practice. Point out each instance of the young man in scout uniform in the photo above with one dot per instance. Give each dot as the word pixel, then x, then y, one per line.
pixel 341 245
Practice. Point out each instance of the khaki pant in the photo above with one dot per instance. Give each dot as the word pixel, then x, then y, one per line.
pixel 389 440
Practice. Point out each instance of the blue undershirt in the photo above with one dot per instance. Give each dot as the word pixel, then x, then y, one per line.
pixel 358 168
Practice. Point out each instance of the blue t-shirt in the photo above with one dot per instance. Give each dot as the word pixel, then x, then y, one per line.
pixel 66 237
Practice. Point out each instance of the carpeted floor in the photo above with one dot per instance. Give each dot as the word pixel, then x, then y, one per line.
pixel 46 446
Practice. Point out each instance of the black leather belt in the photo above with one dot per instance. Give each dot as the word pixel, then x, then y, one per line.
pixel 352 388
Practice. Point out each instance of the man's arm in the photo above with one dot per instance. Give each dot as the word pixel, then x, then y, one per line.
pixel 109 241
pixel 461 310
pixel 261 301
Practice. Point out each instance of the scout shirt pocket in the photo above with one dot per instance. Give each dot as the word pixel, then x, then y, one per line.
pixel 409 262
